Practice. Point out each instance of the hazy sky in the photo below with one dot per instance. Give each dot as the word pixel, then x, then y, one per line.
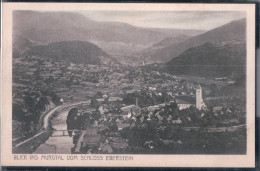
pixel 167 19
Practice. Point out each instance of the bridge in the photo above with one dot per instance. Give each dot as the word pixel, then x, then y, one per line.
pixel 62 133
pixel 29 145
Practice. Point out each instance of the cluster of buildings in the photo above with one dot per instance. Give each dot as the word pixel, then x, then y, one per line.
pixel 102 137
pixel 197 102
pixel 115 83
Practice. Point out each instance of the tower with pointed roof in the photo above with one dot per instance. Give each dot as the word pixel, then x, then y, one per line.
pixel 199 99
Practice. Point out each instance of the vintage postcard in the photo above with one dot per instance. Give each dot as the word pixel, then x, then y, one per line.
pixel 138 85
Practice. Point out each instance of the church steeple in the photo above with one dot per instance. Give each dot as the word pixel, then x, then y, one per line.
pixel 199 99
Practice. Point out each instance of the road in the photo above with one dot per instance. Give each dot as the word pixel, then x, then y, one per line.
pixel 31 144
pixel 217 129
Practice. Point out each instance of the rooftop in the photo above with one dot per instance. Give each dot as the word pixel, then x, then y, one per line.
pixel 129 108
pixel 185 100
pixel 91 139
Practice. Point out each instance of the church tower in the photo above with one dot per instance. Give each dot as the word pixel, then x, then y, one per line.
pixel 199 100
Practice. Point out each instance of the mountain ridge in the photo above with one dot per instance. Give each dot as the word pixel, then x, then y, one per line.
pixel 210 59
pixel 228 33
pixel 48 27
pixel 71 51
pixel 163 43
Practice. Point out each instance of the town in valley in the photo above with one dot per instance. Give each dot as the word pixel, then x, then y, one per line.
pixel 181 93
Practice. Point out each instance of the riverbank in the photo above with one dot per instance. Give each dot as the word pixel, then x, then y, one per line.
pixel 29 145
pixel 57 144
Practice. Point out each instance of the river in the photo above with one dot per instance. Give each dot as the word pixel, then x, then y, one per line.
pixel 57 144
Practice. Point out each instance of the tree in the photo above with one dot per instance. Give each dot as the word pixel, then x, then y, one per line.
pixel 37 74
pixel 96 115
pixel 56 99
pixel 30 103
pixel 98 95
pixel 71 120
pixel 106 101
pixel 42 103
pixel 94 103
pixel 18 114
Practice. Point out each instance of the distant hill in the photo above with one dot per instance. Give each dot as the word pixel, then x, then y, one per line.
pixel 113 37
pixel 233 32
pixel 210 60
pixel 170 40
pixel 20 43
pixel 177 32
pixel 163 43
pixel 71 51
pixel 50 27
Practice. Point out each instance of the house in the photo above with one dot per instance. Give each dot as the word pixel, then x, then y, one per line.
pixel 161 105
pixel 106 148
pixel 169 94
pixel 91 140
pixel 217 108
pixel 149 144
pixel 183 104
pixel 92 131
pixel 167 142
pixel 118 143
pixel 101 100
pixel 220 78
pixel 161 128
pixel 114 99
pixel 152 108
pixel 178 121
pixel 159 116
pixel 228 111
pixel 130 110
pixel 122 125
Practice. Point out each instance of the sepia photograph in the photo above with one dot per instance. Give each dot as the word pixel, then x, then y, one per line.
pixel 125 83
